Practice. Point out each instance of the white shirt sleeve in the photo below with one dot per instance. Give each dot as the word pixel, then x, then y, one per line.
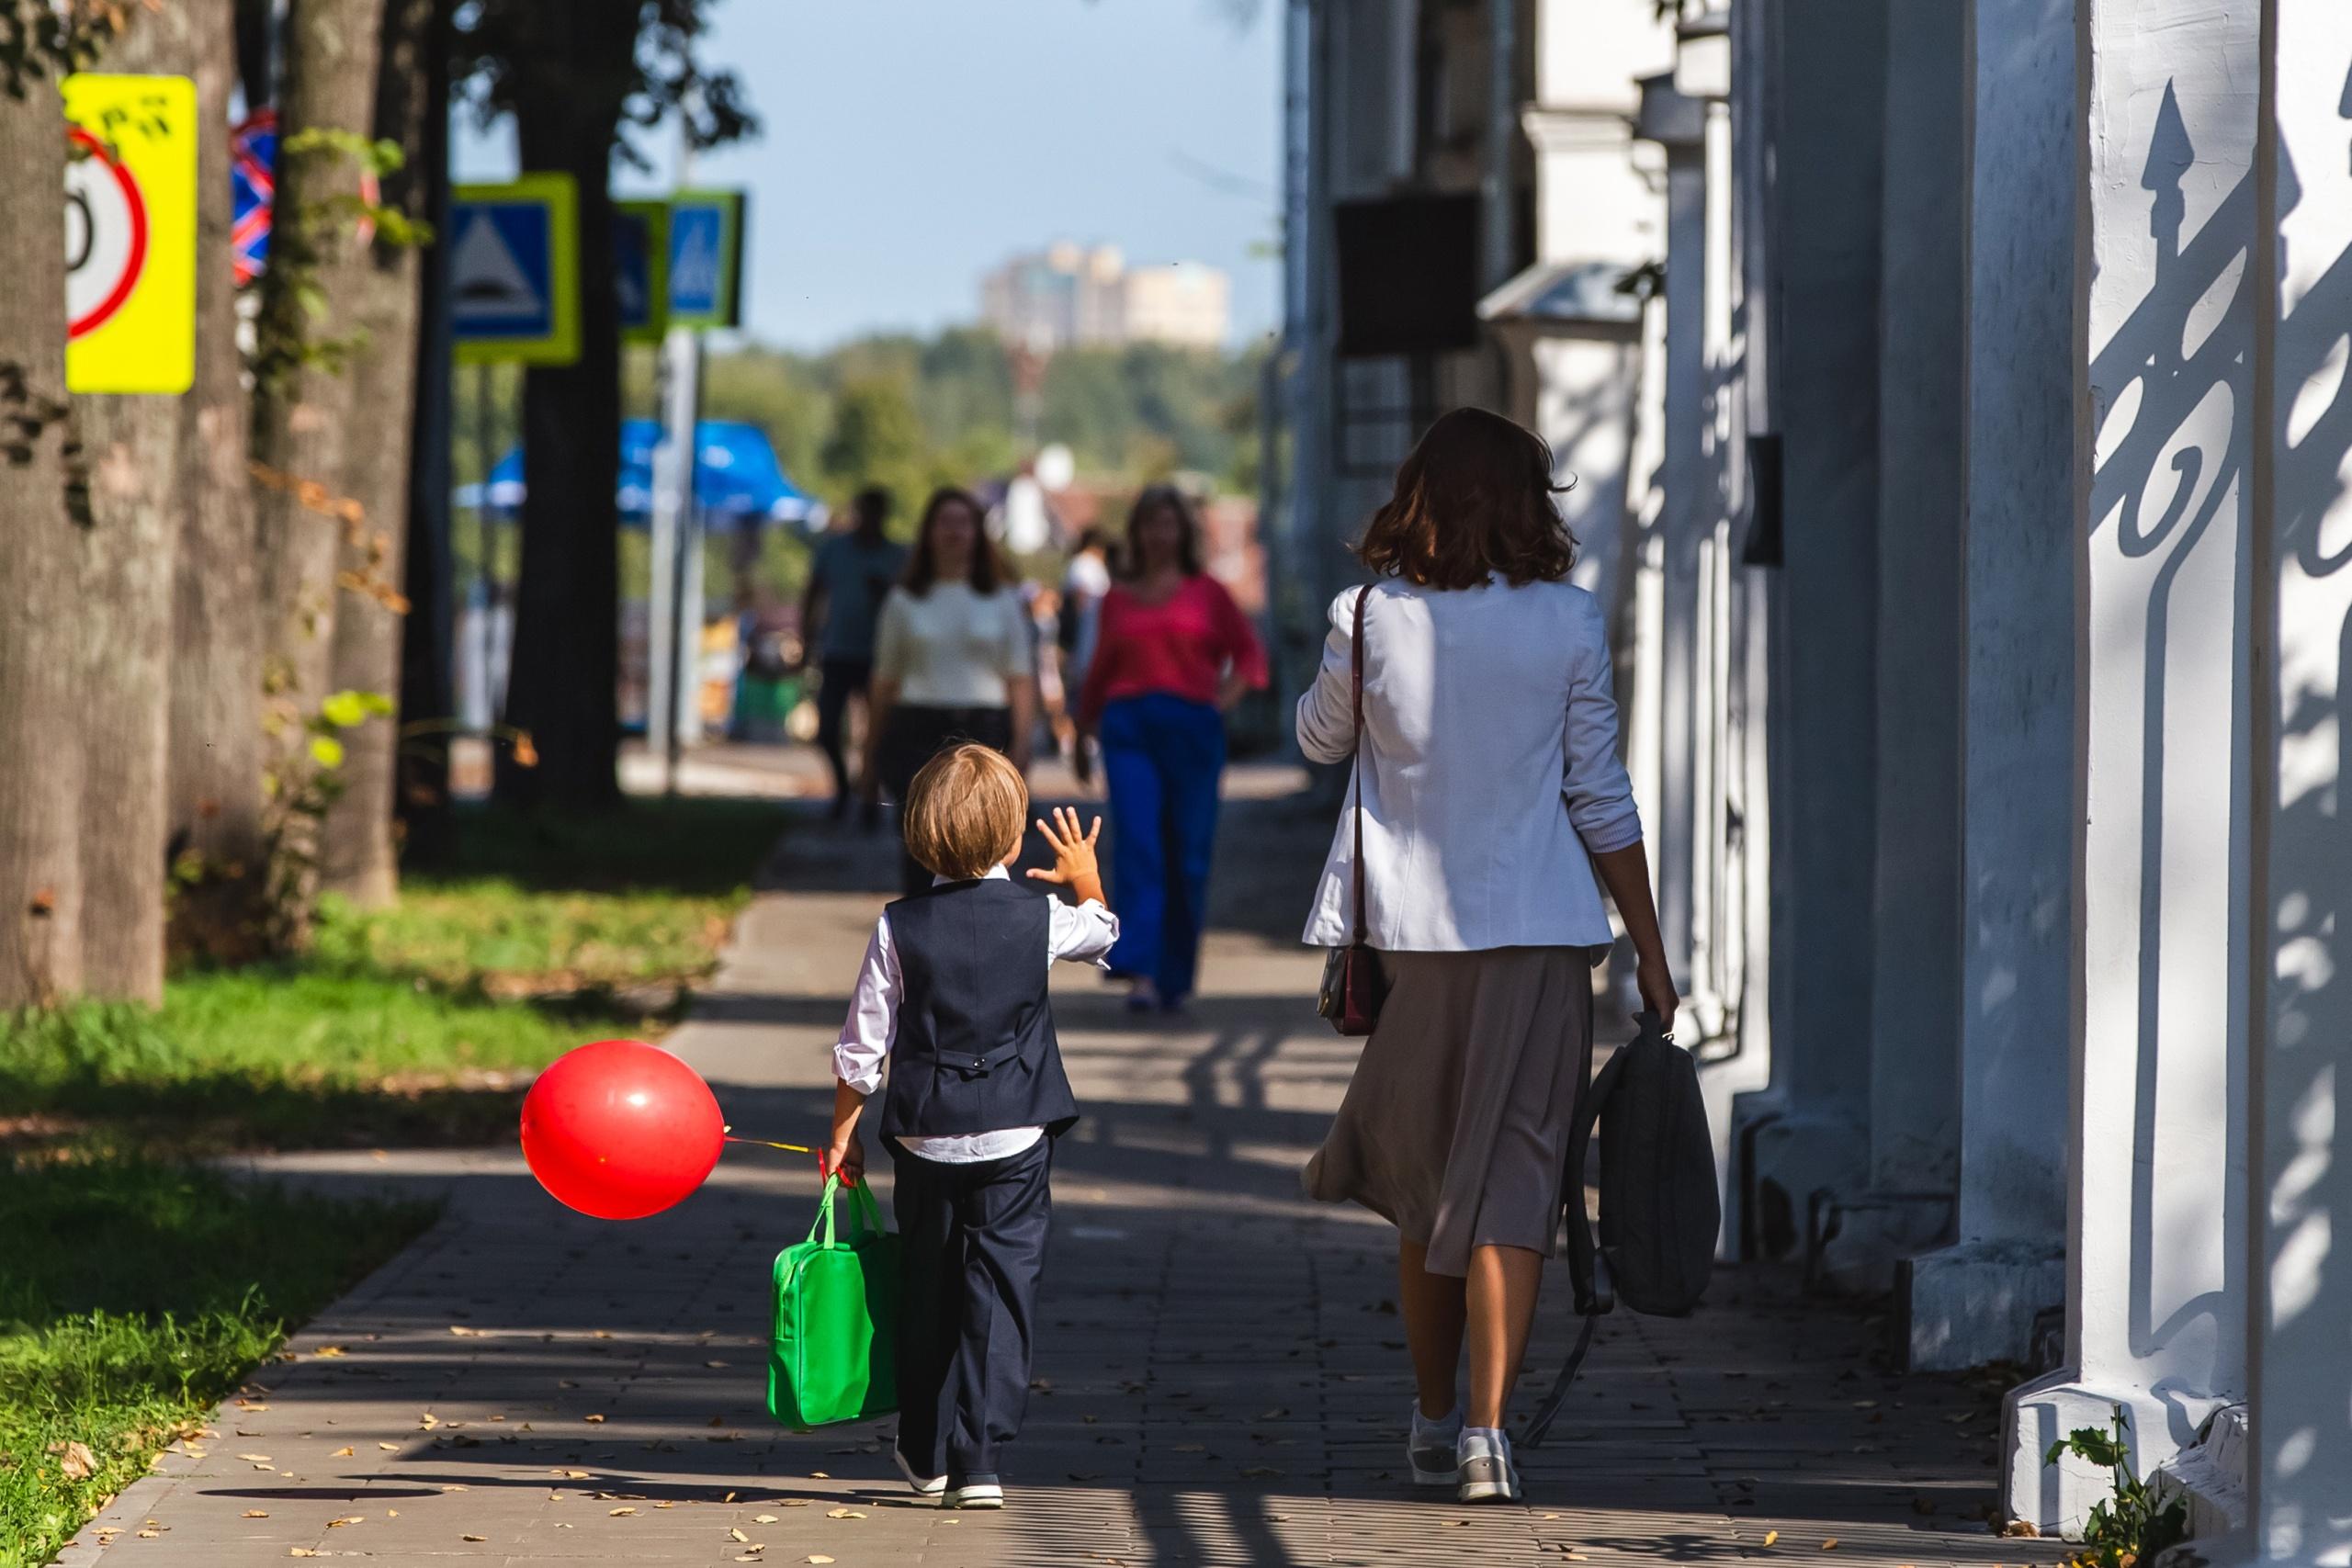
pixel 1594 784
pixel 1085 932
pixel 1327 717
pixel 872 1022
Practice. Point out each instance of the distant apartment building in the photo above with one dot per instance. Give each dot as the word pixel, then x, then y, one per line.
pixel 1068 295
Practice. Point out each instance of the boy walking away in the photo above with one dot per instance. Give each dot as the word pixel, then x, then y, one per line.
pixel 952 998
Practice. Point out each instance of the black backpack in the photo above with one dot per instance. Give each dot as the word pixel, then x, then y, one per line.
pixel 1659 1209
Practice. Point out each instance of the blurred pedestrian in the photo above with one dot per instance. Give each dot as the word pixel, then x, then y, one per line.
pixel 1490 812
pixel 849 577
pixel 1171 656
pixel 1077 628
pixel 955 657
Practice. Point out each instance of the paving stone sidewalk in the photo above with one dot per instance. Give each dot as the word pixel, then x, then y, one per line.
pixel 1220 1378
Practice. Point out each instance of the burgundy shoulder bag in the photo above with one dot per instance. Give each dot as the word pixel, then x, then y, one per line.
pixel 1353 982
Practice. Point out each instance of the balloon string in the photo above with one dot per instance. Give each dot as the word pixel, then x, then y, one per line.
pixel 763 1143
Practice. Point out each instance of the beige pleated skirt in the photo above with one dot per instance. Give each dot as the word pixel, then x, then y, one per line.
pixel 1456 1126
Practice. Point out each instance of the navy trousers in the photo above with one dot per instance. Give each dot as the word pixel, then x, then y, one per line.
pixel 973 1248
pixel 1162 757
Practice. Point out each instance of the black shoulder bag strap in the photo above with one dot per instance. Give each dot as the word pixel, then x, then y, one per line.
pixel 1587 1271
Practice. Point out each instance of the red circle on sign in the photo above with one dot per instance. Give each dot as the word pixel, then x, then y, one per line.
pixel 137 260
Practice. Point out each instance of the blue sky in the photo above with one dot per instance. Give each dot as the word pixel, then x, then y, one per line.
pixel 911 145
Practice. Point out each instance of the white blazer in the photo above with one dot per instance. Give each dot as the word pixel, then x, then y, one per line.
pixel 1489 768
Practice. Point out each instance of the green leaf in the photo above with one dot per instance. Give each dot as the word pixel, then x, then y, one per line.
pixel 344 709
pixel 326 751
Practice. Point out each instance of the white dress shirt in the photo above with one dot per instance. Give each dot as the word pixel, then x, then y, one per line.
pixel 1489 768
pixel 1086 932
pixel 952 648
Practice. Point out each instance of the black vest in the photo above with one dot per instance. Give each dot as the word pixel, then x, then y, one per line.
pixel 975 1050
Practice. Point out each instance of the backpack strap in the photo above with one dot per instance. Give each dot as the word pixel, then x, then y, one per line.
pixel 1587 1270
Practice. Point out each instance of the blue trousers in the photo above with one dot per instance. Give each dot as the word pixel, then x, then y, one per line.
pixel 1162 757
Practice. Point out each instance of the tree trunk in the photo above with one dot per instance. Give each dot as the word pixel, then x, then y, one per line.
pixel 357 856
pixel 561 687
pixel 137 447
pixel 214 804
pixel 40 552
pixel 306 422
pixel 428 698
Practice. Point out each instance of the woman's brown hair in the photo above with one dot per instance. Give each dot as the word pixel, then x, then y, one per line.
pixel 1472 501
pixel 1152 499
pixel 922 564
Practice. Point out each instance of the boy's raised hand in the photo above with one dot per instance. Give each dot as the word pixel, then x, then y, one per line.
pixel 1075 866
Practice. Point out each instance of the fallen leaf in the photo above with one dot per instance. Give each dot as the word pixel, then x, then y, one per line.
pixel 714 1364
pixel 75 1461
pixel 1771 1536
pixel 2021 1527
pixel 788 1502
pixel 617 1513
pixel 817 1557
pixel 763 1518
pixel 338 1524
pixel 472 1537
pixel 462 1332
pixel 1829 1545
pixel 254 1459
pixel 843 1514
pixel 665 1505
pixel 593 1420
pixel 256 1513
pixel 292 1551
pixel 342 1453
pixel 737 1535
pixel 151 1534
pixel 330 1350
pixel 814 1475
pixel 428 1420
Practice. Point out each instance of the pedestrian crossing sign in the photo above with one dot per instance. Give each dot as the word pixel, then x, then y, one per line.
pixel 641 268
pixel 514 271
pixel 130 234
pixel 707 258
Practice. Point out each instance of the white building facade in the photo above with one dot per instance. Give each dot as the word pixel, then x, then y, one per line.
pixel 1958 398
pixel 1069 296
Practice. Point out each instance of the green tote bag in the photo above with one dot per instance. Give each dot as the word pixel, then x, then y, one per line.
pixel 836 1312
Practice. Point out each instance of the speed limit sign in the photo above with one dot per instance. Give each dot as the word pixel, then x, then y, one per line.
pixel 106 235
pixel 130 234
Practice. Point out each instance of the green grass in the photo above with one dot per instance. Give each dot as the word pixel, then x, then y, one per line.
pixel 400 1025
pixel 130 1307
pixel 137 1291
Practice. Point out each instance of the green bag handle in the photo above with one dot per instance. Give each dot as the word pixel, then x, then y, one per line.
pixel 864 1213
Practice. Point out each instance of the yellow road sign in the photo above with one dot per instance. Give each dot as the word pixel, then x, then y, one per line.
pixel 130 234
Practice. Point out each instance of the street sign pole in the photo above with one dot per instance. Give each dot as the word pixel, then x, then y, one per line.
pixel 672 480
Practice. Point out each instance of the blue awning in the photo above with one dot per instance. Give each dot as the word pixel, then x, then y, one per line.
pixel 737 477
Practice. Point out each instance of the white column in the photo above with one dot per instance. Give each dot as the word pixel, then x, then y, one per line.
pixel 2165 417
pixel 1806 1139
pixel 2299 1470
pixel 1977 1301
pixel 1914 1077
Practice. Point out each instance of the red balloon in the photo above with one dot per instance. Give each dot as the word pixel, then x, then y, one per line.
pixel 620 1129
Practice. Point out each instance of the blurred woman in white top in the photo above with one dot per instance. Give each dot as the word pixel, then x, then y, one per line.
pixel 1495 811
pixel 955 659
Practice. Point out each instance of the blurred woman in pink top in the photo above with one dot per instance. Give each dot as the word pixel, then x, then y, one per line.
pixel 1172 654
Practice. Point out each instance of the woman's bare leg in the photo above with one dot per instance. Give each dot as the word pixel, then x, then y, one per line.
pixel 1500 1301
pixel 1433 1309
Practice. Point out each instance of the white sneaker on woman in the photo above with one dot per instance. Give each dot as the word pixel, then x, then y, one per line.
pixel 1487 1473
pixel 1431 1449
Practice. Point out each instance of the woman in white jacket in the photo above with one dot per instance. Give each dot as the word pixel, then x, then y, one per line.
pixel 1495 810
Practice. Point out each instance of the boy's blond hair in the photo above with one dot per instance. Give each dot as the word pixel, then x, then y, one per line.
pixel 964 812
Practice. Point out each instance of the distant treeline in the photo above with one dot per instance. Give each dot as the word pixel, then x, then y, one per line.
pixel 910 412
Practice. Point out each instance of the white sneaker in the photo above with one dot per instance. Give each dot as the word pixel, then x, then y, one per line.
pixel 975 1492
pixel 1487 1473
pixel 924 1486
pixel 1431 1450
